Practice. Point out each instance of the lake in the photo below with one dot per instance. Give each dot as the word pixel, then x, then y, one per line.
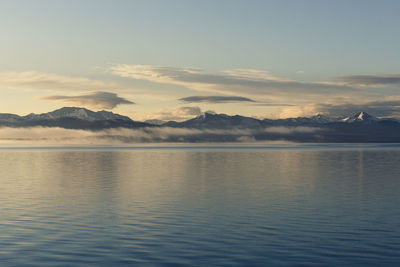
pixel 200 205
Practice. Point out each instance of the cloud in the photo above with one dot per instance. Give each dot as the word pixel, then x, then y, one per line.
pixel 175 114
pixel 32 80
pixel 266 104
pixel 57 136
pixel 248 81
pixel 40 135
pixel 388 107
pixel 97 100
pixel 45 135
pixel 215 99
pixel 370 80
pixel 292 130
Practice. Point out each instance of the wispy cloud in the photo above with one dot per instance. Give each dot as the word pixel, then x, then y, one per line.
pixel 49 81
pixel 97 100
pixel 230 99
pixel 175 114
pixel 253 82
pixel 382 108
pixel 370 80
pixel 56 136
pixel 267 104
pixel 215 99
pixel 292 130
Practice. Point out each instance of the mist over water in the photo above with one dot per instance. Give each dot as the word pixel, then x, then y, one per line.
pixel 199 206
pixel 123 136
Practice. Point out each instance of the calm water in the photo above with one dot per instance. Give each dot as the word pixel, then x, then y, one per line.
pixel 207 206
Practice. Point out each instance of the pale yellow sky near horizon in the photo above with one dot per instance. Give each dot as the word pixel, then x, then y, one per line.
pixel 166 93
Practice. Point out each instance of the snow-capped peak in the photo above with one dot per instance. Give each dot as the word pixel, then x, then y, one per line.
pixel 322 118
pixel 77 113
pixel 360 117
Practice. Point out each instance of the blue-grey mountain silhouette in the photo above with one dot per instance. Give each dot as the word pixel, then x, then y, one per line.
pixel 358 127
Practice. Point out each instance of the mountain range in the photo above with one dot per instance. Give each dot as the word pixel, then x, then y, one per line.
pixel 71 118
pixel 358 127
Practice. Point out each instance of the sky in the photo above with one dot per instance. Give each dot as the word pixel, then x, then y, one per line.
pixel 173 60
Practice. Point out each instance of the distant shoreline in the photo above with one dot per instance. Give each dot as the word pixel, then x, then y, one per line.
pixel 208 146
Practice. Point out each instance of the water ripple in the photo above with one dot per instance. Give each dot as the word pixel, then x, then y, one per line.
pixel 199 207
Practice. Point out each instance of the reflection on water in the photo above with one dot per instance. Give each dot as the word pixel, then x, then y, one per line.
pixel 199 207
